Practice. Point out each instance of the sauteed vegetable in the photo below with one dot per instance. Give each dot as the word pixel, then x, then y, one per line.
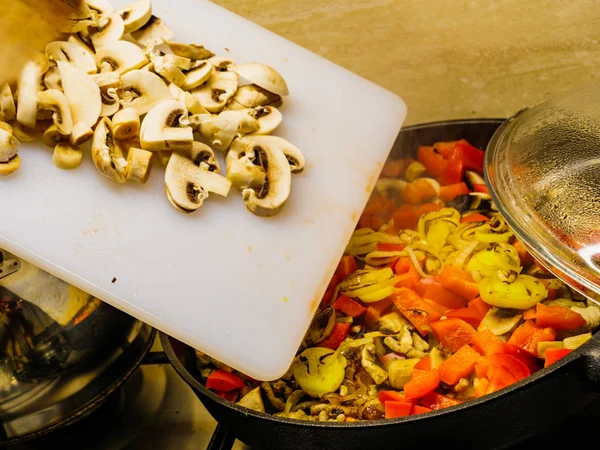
pixel 434 303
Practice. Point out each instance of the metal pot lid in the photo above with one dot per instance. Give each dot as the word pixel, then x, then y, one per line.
pixel 543 170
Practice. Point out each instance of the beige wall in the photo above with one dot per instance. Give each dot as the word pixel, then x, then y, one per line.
pixel 447 58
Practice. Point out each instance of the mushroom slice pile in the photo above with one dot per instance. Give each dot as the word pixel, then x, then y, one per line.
pixel 9 146
pixel 29 81
pixel 168 70
pixel 251 96
pixel 198 73
pixel 189 178
pixel 120 56
pixel 162 129
pixel 153 32
pixel 67 156
pixel 55 101
pixel 52 79
pixel 136 15
pixel 267 187
pixel 191 103
pixel 85 103
pixel 143 90
pixel 219 88
pixel 107 154
pixel 52 136
pixel 191 51
pixel 139 164
pixel 72 53
pixel 126 124
pixel 268 118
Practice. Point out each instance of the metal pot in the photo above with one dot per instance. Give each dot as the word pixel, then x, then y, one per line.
pixel 499 420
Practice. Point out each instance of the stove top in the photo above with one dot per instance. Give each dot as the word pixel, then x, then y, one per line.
pixel 156 409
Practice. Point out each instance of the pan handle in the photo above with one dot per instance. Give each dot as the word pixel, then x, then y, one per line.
pixel 591 360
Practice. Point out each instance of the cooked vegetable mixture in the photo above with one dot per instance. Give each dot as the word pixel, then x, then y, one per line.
pixel 434 303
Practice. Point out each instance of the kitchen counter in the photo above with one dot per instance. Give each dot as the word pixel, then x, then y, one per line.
pixel 479 58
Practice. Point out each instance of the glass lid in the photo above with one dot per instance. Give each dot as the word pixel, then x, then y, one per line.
pixel 543 170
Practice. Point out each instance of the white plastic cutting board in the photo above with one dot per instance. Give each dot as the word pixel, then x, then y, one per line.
pixel 238 287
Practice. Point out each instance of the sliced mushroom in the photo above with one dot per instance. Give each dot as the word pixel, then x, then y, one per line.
pixel 109 30
pixel 143 90
pixel 191 103
pixel 25 134
pixel 55 101
pixel 52 79
pixel 110 102
pixel 162 130
pixel 168 70
pixel 107 80
pixel 219 131
pixel 264 76
pixel 7 103
pixel 126 124
pixel 101 7
pixel 136 15
pixel 153 32
pixel 120 56
pixel 274 189
pixel 292 153
pixel 219 88
pixel 85 102
pixel 29 82
pixel 52 136
pixel 71 53
pixel 221 64
pixel 139 163
pixel 251 96
pixel 191 51
pixel 9 167
pixel 107 154
pixel 268 118
pixel 75 39
pixel 197 74
pixel 188 184
pixel 6 127
pixel 247 123
pixel 67 156
pixel 163 157
pixel 9 146
pixel 179 61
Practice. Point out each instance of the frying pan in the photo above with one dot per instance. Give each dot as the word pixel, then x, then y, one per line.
pixel 499 420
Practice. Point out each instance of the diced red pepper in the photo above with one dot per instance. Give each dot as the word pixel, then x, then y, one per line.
pixel 453 333
pixel 393 169
pixel 459 365
pixel 527 336
pixel 340 330
pixel 441 310
pixel 422 383
pixel 552 294
pixel 423 284
pixel 407 280
pixel 480 305
pixel 470 315
pixel 219 380
pixel 481 370
pixel 486 343
pixel 424 364
pixel 405 265
pixel 374 311
pixel 406 217
pixel 390 247
pixel 348 306
pixel 557 317
pixel 434 163
pixel 439 294
pixel 481 387
pixel 415 309
pixel 451 191
pixel 454 170
pixel 418 409
pixel 554 354
pixel 516 367
pixel 526 358
pixel 500 379
pixel 392 396
pixel 458 281
pixel 346 266
pixel 436 401
pixel 445 148
pixel 397 409
pixel 419 191
pixel 328 296
pixel 377 222
pixel 529 314
pixel 481 188
pixel 474 218
pixel 229 396
pixel 472 157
